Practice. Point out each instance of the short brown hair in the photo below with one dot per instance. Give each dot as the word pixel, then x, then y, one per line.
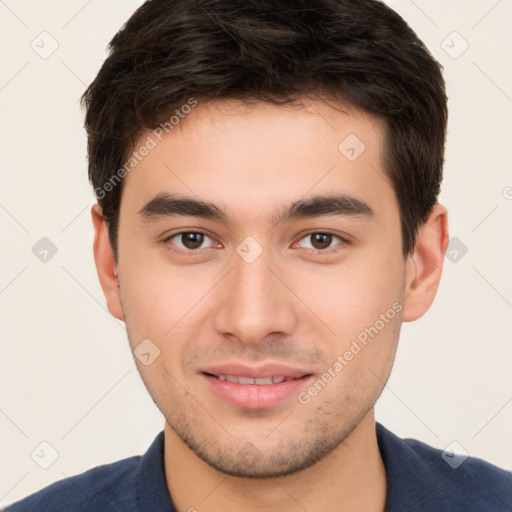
pixel 277 51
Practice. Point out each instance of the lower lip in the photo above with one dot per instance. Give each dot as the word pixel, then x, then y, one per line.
pixel 255 396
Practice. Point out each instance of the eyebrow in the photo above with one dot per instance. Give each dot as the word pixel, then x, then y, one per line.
pixel 168 205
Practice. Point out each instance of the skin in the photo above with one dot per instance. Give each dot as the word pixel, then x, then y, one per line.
pixel 296 304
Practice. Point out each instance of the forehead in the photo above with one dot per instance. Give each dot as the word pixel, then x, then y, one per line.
pixel 259 156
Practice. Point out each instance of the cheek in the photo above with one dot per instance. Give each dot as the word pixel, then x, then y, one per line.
pixel 165 303
pixel 350 296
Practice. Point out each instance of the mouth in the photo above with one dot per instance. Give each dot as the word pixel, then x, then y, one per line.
pixel 263 387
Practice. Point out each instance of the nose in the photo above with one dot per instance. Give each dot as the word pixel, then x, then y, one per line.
pixel 254 303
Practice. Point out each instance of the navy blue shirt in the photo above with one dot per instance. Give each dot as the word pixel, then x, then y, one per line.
pixel 418 478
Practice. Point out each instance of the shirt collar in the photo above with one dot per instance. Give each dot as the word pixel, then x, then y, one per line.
pixel 408 478
pixel 152 492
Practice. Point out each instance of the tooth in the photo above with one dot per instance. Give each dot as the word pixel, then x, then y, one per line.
pixel 261 381
pixel 245 380
pixel 264 380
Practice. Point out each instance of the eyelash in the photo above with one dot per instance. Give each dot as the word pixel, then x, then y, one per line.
pixel 193 252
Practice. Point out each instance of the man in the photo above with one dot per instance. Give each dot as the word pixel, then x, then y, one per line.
pixel 267 175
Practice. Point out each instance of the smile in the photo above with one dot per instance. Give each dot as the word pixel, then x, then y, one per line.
pixel 255 388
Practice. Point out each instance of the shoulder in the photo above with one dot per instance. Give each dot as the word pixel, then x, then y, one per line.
pixel 441 480
pixel 107 487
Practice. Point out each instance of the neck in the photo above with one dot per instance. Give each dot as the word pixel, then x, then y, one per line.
pixel 351 478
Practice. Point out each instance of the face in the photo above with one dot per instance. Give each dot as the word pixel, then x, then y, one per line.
pixel 276 306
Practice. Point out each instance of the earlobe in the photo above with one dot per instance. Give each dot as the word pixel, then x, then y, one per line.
pixel 106 265
pixel 424 266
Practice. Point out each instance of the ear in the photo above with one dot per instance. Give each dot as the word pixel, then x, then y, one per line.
pixel 105 263
pixel 425 265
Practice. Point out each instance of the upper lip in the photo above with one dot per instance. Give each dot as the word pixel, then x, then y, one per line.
pixel 261 371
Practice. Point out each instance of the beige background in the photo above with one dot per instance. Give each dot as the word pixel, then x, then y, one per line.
pixel 68 378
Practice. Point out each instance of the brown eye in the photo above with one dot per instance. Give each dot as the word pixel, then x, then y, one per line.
pixel 320 241
pixel 192 240
pixel 188 240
